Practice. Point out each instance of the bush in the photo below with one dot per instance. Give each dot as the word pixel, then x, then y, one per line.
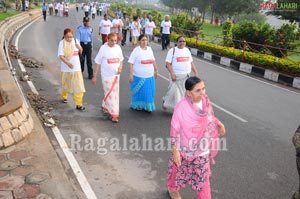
pixel 227 33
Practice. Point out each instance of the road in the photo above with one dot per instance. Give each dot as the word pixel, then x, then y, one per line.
pixel 260 117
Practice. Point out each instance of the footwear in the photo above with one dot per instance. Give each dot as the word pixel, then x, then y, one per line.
pixel 174 194
pixel 80 108
pixel 91 77
pixel 65 100
pixel 115 120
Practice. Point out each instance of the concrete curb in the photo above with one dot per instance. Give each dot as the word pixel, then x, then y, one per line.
pixel 15 120
pixel 246 68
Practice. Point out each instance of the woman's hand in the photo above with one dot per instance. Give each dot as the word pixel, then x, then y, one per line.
pixel 119 70
pixel 94 80
pixel 155 74
pixel 173 77
pixel 222 130
pixel 130 78
pixel 70 65
pixel 177 157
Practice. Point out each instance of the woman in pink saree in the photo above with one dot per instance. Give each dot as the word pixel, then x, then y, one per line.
pixel 194 134
pixel 110 60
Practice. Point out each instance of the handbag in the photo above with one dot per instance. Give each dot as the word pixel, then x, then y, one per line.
pixel 172 57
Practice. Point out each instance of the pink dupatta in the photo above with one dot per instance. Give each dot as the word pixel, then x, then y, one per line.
pixel 195 131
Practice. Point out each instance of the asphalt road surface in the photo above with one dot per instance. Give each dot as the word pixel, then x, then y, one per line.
pixel 258 160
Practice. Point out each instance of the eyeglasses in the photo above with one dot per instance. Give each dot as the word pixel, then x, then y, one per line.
pixel 181 41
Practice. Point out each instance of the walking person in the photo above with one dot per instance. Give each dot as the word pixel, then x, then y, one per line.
pixel 125 27
pixel 149 27
pixel 56 7
pixel 84 34
pixel 86 10
pixel 165 30
pixel 117 26
pixel 142 75
pixel 135 29
pixel 77 7
pixel 194 133
pixel 44 10
pixel 110 60
pixel 71 76
pixel 93 11
pixel 104 28
pixel 179 62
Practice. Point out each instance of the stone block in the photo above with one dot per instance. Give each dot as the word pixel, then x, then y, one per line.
pixel 23 130
pixel 1 130
pixel 24 108
pixel 296 82
pixel 9 165
pixel 3 174
pixel 2 157
pixel 13 121
pixel 23 114
pixel 7 138
pixel 207 56
pixel 22 171
pixel 5 123
pixel 247 68
pixel 17 135
pixel 18 117
pixel 27 126
pixel 271 75
pixel 1 142
pixel 37 177
pixel 11 183
pixel 225 61
pixel 30 120
pixel 6 195
pixel 27 191
pixel 18 155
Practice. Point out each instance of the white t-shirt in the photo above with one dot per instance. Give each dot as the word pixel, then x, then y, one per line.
pixel 74 59
pixel 109 59
pixel 135 27
pixel 149 26
pixel 117 25
pixel 166 25
pixel 181 60
pixel 86 8
pixel 94 10
pixel 142 61
pixel 105 26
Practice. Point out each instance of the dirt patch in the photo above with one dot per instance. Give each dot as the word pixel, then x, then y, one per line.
pixel 1 100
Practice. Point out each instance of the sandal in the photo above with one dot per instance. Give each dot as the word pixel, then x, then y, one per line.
pixel 65 100
pixel 115 120
pixel 174 194
pixel 81 108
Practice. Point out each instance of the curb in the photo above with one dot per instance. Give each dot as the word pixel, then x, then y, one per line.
pixel 246 68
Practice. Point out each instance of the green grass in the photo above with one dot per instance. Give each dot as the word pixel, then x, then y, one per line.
pixel 293 55
pixel 4 15
pixel 212 33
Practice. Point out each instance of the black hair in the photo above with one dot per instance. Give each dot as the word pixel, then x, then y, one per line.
pixel 191 82
pixel 179 37
pixel 135 18
pixel 104 15
pixel 141 37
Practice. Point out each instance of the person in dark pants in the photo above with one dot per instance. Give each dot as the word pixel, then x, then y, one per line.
pixel 84 34
pixel 125 28
pixel 44 9
pixel 165 30
pixel 296 142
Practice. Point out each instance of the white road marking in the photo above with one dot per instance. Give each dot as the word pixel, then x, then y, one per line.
pixel 84 184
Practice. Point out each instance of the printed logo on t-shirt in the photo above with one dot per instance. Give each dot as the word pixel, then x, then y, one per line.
pixel 183 59
pixel 113 60
pixel 106 25
pixel 147 61
pixel 75 53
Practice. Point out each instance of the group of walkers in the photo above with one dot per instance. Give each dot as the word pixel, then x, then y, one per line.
pixel 193 116
pixel 58 9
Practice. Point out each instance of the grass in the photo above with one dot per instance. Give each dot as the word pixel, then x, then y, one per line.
pixel 4 15
pixel 212 33
pixel 293 55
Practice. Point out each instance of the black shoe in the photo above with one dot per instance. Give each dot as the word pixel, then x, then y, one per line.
pixel 80 108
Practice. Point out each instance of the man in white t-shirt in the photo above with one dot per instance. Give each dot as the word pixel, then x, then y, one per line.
pixel 165 30
pixel 104 28
pixel 149 27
